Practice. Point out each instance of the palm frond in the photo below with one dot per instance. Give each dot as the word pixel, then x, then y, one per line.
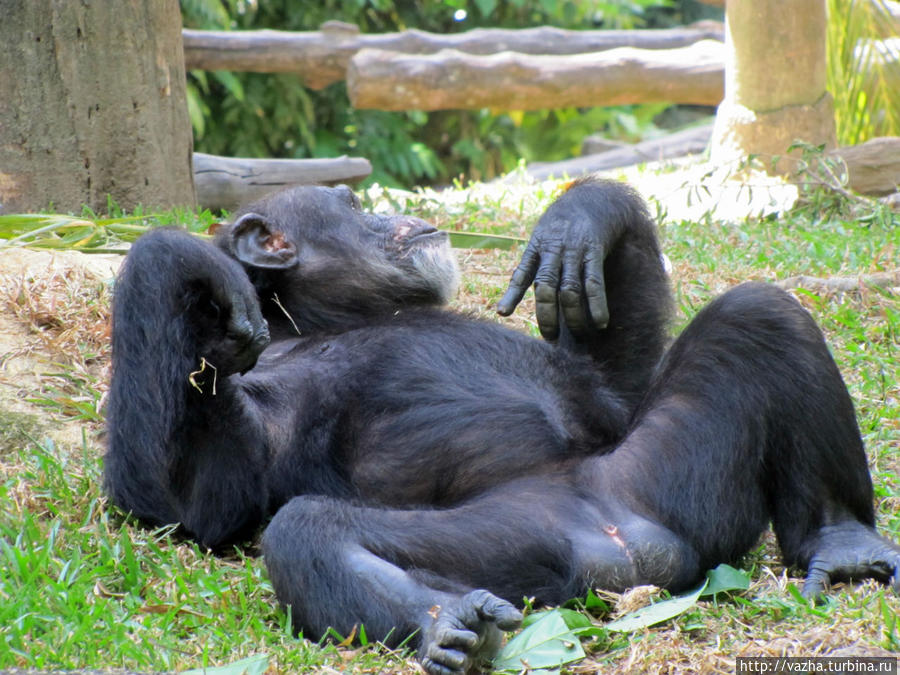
pixel 864 69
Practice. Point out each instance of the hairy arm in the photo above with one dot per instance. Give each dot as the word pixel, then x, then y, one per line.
pixel 184 444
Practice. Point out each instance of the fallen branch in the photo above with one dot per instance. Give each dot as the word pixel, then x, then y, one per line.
pixel 685 142
pixel 873 166
pixel 842 284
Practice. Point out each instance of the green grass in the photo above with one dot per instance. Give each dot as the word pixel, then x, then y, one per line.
pixel 82 586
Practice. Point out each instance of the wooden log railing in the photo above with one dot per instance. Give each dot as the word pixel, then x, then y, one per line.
pixel 322 57
pixel 512 81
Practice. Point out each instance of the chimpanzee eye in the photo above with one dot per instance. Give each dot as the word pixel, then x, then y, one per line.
pixel 350 196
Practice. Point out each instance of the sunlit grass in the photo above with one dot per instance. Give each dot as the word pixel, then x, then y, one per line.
pixel 82 586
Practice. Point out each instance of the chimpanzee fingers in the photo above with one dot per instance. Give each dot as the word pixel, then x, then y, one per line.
pixel 444 662
pixel 881 562
pixel 571 292
pixel 448 644
pixel 817 578
pixel 595 288
pixel 546 293
pixel 449 652
pixel 521 280
pixel 246 323
pixel 489 607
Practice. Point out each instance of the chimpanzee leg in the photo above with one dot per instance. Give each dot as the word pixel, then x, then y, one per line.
pixel 401 571
pixel 343 566
pixel 748 420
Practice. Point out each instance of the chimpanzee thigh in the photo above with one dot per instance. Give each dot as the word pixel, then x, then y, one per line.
pixel 748 420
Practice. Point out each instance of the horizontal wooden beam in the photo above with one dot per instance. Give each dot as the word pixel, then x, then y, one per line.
pixel 322 57
pixel 452 79
pixel 228 182
pixel 692 141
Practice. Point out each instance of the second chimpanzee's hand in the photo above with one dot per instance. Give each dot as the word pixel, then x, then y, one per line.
pixel 564 259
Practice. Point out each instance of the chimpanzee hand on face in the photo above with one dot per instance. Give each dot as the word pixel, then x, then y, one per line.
pixel 235 332
pixel 199 286
pixel 565 259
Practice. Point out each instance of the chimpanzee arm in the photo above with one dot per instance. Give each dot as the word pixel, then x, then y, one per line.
pixel 184 444
pixel 599 283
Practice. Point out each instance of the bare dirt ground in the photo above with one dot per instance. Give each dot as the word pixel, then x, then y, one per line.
pixel 53 318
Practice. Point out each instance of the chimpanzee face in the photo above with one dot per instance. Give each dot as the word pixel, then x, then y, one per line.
pixel 320 243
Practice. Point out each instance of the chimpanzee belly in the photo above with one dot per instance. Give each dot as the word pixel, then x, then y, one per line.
pixel 431 425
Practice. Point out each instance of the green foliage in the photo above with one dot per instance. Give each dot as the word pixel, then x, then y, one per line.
pixel 863 74
pixel 89 233
pixel 274 115
pixel 552 638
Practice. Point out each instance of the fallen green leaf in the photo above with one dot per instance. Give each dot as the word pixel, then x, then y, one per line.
pixel 549 642
pixel 657 612
pixel 253 665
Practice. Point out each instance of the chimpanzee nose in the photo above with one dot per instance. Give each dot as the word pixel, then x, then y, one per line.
pixel 407 227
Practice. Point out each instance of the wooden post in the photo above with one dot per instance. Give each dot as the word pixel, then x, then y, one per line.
pixel 774 81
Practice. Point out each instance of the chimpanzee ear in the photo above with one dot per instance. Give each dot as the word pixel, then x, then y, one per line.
pixel 258 243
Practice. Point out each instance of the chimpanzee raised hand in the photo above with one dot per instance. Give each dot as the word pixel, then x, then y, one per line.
pixel 425 469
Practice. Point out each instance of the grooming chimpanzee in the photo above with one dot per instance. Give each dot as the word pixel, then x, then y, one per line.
pixel 426 469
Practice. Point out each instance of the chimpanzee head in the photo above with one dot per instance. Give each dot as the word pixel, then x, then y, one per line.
pixel 329 261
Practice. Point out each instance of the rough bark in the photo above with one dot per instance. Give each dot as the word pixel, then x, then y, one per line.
pixel 227 182
pixel 322 57
pixel 92 103
pixel 511 81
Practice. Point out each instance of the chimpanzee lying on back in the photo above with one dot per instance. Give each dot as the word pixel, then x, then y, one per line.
pixel 426 469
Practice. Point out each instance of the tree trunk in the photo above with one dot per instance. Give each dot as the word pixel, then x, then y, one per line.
pixel 92 103
pixel 774 81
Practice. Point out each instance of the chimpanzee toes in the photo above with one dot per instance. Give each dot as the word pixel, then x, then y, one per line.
pixel 851 551
pixel 491 608
pixel 467 634
pixel 449 653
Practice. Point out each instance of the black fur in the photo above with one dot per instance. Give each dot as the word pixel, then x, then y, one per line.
pixel 412 456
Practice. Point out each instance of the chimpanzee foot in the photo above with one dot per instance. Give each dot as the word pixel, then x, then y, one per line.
pixel 851 550
pixel 466 635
